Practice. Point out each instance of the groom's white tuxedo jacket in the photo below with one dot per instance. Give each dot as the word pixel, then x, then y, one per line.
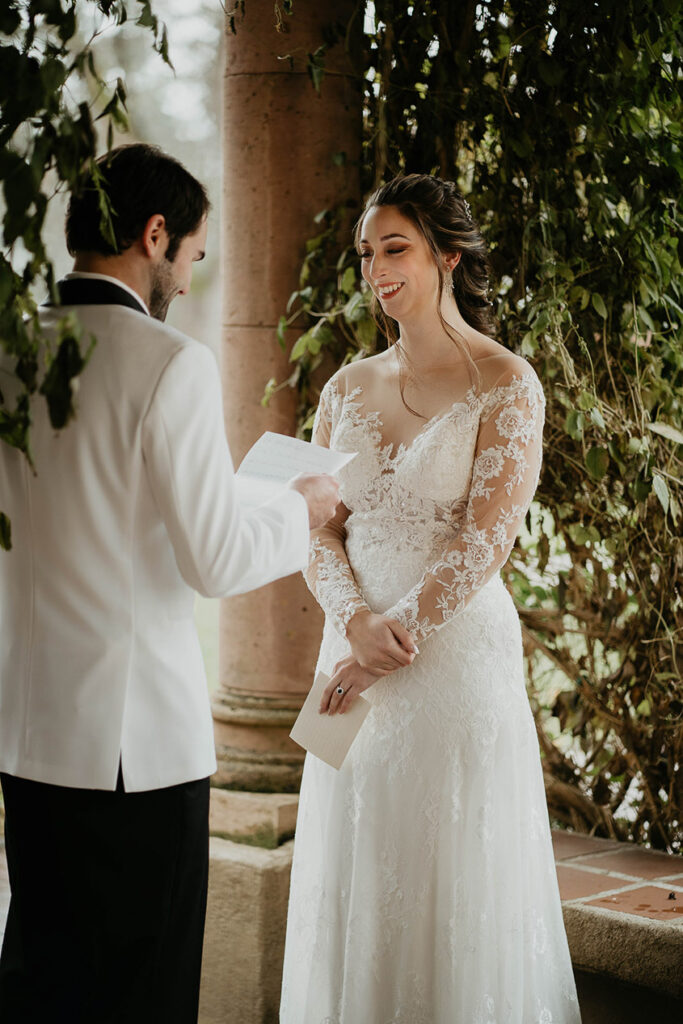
pixel 132 508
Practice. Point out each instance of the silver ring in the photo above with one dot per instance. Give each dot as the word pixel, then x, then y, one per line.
pixel 340 691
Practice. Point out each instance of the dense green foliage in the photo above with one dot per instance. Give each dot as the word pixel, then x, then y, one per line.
pixel 561 122
pixel 48 143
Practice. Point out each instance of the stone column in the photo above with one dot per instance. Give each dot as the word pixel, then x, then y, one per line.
pixel 280 137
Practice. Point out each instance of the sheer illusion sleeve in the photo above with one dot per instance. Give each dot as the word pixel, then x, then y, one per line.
pixel 505 472
pixel 329 575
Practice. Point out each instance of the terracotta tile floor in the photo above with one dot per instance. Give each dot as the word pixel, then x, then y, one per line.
pixel 619 877
pixel 575 883
pixel 645 901
pixel 568 844
pixel 635 861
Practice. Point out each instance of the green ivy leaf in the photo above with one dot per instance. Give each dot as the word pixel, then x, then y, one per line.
pixel 19 189
pixel 597 462
pixel 355 309
pixel 580 295
pixel 313 244
pixel 281 329
pixel 529 346
pixel 54 74
pixel 641 487
pixel 661 490
pixel 366 332
pixel 162 48
pixel 581 534
pixel 540 324
pixel 15 425
pixel 573 424
pixel 667 431
pixel 311 341
pixel 348 281
pixel 645 320
pixel 269 391
pixel 300 346
pixel 7 281
pixel 146 19
pixel 596 418
pixel 599 305
pixel 320 335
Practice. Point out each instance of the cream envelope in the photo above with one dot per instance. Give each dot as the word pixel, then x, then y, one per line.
pixel 328 736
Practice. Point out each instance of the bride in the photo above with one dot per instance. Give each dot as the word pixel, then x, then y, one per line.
pixel 423 886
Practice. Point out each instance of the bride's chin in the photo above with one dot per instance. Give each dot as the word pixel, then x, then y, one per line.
pixel 390 307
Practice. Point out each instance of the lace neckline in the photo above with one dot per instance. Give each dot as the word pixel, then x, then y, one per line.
pixel 390 452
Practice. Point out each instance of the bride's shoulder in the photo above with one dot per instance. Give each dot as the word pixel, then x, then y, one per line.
pixel 500 368
pixel 507 379
pixel 357 376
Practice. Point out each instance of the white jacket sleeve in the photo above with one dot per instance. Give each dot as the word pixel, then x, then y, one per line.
pixel 221 547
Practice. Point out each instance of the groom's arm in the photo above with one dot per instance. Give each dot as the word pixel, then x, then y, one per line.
pixel 221 548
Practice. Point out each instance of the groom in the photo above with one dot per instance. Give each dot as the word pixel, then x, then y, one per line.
pixel 106 741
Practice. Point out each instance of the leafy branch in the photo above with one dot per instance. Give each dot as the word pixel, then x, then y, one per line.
pixel 48 143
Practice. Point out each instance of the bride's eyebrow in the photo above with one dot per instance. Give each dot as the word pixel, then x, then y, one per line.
pixel 385 238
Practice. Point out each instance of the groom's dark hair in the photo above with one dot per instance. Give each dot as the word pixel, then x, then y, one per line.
pixel 138 181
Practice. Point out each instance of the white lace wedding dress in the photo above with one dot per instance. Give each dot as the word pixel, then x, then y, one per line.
pixel 423 887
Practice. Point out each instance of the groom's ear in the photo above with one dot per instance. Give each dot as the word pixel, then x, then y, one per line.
pixel 154 238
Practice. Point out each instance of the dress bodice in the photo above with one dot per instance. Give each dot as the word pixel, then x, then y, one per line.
pixel 430 521
pixel 429 477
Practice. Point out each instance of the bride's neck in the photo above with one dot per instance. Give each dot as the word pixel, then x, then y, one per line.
pixel 426 344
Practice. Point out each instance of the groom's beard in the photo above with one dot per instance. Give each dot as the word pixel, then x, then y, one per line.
pixel 164 288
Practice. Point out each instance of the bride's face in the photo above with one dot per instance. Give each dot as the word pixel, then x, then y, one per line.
pixel 398 264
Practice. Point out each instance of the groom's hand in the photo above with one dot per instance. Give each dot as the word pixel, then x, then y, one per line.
pixel 322 496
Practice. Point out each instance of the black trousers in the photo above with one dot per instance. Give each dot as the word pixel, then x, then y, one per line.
pixel 108 899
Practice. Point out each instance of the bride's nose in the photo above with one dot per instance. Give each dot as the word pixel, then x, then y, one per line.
pixel 377 270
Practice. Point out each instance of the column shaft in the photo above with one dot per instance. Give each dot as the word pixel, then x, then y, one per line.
pixel 279 140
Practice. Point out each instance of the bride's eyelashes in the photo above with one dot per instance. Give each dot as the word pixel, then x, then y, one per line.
pixel 390 252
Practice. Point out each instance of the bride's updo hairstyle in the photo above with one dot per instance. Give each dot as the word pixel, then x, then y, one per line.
pixel 443 217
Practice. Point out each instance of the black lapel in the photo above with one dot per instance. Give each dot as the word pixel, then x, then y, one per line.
pixel 90 291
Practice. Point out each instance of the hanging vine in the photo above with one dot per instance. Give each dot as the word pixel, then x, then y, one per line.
pixel 48 143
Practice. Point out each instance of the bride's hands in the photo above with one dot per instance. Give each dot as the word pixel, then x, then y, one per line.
pixel 380 645
pixel 353 680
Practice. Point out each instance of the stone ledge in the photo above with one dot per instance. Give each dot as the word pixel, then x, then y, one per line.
pixel 260 819
pixel 245 933
pixel 623 910
pixel 634 949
